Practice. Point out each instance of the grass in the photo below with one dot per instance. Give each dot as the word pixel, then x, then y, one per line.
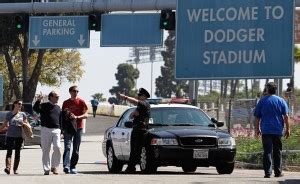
pixel 250 150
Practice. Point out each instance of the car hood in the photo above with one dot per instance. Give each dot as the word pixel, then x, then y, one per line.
pixel 188 131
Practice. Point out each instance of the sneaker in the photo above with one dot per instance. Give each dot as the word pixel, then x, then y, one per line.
pixel 267 176
pixel 66 170
pixel 46 172
pixel 54 170
pixel 73 171
pixel 16 172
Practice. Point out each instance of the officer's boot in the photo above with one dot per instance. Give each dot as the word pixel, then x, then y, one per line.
pixel 7 165
pixel 16 165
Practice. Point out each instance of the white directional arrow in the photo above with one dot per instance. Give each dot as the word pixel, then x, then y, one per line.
pixel 36 41
pixel 81 40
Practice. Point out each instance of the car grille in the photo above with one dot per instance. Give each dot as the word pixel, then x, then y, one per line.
pixel 199 141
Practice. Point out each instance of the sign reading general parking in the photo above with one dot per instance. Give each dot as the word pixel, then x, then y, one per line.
pixel 59 32
pixel 128 29
pixel 227 39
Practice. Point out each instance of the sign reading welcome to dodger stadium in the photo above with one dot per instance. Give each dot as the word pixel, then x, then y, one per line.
pixel 223 39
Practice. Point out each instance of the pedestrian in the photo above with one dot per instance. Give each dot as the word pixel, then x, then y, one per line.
pixel 140 124
pixel 271 114
pixel 78 111
pixel 13 122
pixel 50 114
pixel 94 103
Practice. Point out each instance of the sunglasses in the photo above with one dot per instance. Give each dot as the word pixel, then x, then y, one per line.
pixel 56 97
pixel 76 91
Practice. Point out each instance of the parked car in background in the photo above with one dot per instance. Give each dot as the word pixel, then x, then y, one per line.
pixel 35 123
pixel 2 133
pixel 178 135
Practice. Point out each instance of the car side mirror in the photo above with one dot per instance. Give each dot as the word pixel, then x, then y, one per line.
pixel 218 123
pixel 128 124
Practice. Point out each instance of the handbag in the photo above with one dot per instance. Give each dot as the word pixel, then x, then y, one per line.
pixel 27 131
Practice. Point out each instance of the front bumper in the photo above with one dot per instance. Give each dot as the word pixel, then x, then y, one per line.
pixel 178 156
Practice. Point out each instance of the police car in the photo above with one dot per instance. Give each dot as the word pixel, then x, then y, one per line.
pixel 178 135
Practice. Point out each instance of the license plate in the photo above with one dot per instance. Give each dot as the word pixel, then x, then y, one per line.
pixel 200 154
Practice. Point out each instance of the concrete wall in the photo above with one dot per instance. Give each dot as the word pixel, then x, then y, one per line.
pixel 109 110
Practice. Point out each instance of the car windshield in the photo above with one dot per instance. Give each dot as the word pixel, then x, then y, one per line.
pixel 179 116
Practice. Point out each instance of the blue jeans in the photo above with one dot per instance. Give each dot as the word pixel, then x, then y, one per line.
pixel 272 151
pixel 76 137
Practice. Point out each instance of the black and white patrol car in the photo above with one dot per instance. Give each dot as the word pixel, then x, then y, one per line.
pixel 179 135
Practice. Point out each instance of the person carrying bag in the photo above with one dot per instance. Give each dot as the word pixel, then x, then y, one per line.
pixel 27 130
pixel 13 122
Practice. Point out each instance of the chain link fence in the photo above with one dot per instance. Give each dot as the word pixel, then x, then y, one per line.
pixel 237 115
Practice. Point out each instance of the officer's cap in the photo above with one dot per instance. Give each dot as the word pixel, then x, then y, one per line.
pixel 143 92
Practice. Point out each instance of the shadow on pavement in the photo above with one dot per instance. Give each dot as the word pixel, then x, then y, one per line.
pixel 289 181
pixel 139 173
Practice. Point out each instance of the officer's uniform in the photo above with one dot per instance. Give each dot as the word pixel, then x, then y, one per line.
pixel 140 124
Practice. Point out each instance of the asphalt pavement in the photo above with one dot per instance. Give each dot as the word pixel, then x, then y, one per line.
pixel 92 168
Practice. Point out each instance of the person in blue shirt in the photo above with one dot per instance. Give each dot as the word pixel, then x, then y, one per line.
pixel 271 115
pixel 94 103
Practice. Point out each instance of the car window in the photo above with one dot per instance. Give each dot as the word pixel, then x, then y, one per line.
pixel 125 117
pixel 179 115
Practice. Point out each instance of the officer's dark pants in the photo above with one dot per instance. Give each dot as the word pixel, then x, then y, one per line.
pixel 137 142
pixel 272 143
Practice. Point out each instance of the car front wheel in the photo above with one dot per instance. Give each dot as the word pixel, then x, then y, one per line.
pixel 225 168
pixel 113 164
pixel 147 164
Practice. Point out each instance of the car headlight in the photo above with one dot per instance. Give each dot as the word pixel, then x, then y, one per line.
pixel 164 141
pixel 226 142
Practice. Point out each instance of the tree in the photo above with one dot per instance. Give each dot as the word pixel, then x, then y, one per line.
pixel 99 97
pixel 26 67
pixel 126 77
pixel 166 85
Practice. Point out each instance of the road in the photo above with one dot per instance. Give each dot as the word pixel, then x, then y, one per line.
pixel 92 167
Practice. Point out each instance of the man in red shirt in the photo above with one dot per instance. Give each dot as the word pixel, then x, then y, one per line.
pixel 78 110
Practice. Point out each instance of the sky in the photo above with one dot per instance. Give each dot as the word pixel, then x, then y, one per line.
pixel 101 65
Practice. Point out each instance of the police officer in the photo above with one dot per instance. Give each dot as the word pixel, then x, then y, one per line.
pixel 140 122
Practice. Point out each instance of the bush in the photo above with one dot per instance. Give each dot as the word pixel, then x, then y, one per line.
pixel 250 150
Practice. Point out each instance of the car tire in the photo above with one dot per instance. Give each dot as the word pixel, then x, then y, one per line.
pixel 225 168
pixel 147 163
pixel 189 168
pixel 113 164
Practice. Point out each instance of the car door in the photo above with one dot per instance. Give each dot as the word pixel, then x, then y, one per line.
pixel 117 134
pixel 125 136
